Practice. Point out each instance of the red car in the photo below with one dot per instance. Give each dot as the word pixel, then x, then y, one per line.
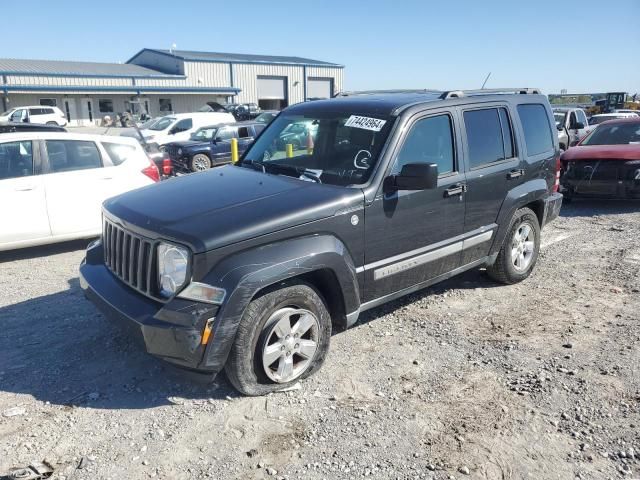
pixel 606 163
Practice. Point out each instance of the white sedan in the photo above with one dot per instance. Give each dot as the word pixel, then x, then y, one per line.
pixel 52 185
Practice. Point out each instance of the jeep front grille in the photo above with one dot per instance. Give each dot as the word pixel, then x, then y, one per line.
pixel 130 257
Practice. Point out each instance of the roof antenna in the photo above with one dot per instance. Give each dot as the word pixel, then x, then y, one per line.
pixel 485 81
pixel 173 47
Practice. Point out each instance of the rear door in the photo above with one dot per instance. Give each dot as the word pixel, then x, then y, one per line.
pixel 76 183
pixel 23 208
pixel 493 167
pixel 414 236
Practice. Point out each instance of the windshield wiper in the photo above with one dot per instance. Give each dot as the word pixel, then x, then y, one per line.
pixel 255 163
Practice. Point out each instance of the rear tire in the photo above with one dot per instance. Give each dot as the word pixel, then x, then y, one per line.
pixel 53 123
pixel 266 356
pixel 200 162
pixel 520 249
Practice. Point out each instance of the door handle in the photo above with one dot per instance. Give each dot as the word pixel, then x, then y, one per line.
pixel 454 190
pixel 26 188
pixel 515 173
pixel 107 178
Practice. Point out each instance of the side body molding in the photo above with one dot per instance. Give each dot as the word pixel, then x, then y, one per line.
pixel 244 274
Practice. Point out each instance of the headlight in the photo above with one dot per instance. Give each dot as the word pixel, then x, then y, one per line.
pixel 172 268
pixel 179 151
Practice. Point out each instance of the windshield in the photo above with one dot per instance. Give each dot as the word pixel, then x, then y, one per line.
pixel 333 148
pixel 559 116
pixel 162 123
pixel 204 134
pixel 8 112
pixel 616 134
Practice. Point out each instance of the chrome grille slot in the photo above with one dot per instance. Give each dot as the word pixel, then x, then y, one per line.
pixel 129 257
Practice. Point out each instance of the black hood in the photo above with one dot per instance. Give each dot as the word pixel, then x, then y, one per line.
pixel 226 205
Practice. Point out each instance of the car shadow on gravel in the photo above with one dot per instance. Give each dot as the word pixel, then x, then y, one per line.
pixel 588 207
pixel 59 349
pixel 470 280
pixel 44 250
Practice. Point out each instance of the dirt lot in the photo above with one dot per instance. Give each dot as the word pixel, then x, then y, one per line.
pixel 468 379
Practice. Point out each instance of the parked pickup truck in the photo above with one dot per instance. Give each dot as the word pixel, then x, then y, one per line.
pixel 248 267
pixel 572 126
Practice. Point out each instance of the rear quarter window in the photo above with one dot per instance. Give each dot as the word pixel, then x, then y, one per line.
pixel 537 131
pixel 119 153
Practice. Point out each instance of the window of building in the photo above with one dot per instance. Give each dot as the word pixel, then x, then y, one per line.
pixel 16 160
pixel 70 155
pixel 105 105
pixel 429 141
pixel 49 102
pixel 537 131
pixel 489 136
pixel 165 105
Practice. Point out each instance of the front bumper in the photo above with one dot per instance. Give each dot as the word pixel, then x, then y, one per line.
pixel 552 205
pixel 602 179
pixel 171 331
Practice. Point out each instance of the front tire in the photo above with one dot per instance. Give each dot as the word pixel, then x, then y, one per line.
pixel 519 252
pixel 283 337
pixel 200 162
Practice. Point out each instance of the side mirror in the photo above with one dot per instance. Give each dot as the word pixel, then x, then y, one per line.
pixel 413 176
pixel 578 126
pixel 217 140
pixel 560 127
pixel 25 120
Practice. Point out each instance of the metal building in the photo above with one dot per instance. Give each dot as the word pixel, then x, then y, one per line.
pixel 164 81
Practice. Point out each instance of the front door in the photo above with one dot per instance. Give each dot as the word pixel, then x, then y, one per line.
pixel 221 149
pixel 415 236
pixel 69 105
pixel 23 211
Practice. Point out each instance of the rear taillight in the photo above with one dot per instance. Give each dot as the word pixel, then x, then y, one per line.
pixel 166 166
pixel 152 171
pixel 556 183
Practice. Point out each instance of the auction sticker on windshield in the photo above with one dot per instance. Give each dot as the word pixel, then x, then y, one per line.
pixel 366 123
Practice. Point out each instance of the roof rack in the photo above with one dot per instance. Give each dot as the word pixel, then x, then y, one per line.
pixel 375 92
pixel 488 91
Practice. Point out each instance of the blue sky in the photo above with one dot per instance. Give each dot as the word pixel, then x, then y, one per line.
pixel 583 46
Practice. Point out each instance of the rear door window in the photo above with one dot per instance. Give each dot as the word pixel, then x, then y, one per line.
pixel 243 132
pixel 16 160
pixel 537 131
pixel 485 137
pixel 71 155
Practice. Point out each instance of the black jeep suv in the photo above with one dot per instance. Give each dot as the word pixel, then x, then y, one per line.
pixel 247 267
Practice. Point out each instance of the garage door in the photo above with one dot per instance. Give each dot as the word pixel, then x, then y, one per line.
pixel 319 87
pixel 272 88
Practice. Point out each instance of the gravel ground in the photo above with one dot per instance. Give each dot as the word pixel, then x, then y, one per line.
pixel 468 379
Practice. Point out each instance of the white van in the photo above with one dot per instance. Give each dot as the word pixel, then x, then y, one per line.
pixel 179 127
